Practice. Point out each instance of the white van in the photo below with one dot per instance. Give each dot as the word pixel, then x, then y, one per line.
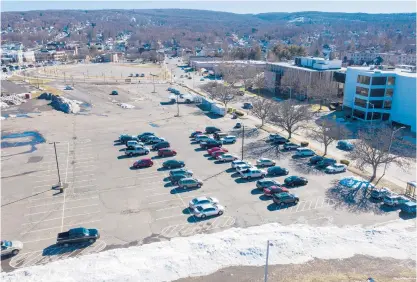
pixel 304 152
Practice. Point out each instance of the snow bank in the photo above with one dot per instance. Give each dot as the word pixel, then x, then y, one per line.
pixel 204 254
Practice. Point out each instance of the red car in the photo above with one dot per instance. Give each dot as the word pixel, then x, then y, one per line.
pixel 166 152
pixel 195 133
pixel 211 152
pixel 218 153
pixel 143 163
pixel 269 191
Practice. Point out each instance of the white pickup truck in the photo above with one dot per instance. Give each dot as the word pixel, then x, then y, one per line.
pixel 137 150
pixel 182 98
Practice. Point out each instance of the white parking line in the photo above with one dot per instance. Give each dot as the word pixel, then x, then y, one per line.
pixel 83 187
pixel 163 201
pixel 45 205
pixel 33 241
pixel 178 215
pixel 155 195
pixel 81 207
pixel 29 214
pixel 39 230
pixel 169 208
pixel 80 223
pixel 85 180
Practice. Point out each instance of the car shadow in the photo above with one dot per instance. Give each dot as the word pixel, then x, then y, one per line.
pixel 55 250
pixel 166 179
pixel 256 191
pixel 186 211
pixel 406 216
pixel 235 175
pixel 243 180
pixel 194 219
pixel 124 157
pixel 118 144
pixel 137 168
pixel 166 103
pixel 207 155
pixel 230 170
pixel 295 157
pixel 179 191
pixel 219 162
pixel 193 142
pixel 275 207
pixel 162 169
pixel 387 208
pixel 199 149
pixel 265 198
pixel 169 184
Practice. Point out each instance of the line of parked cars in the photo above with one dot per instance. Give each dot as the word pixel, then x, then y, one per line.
pixel 392 199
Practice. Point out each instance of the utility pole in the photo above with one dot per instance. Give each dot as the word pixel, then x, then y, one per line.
pixel 243 138
pixel 72 78
pixel 153 82
pixel 178 108
pixel 65 78
pixel 266 262
pixel 57 167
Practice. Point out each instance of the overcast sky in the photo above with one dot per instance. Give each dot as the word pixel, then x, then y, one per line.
pixel 242 7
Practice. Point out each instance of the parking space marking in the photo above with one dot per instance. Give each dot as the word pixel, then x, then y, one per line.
pixel 172 216
pixel 39 240
pixel 169 208
pixel 84 222
pixel 156 195
pixel 162 201
pixel 84 180
pixel 29 214
pixel 43 229
pixel 45 205
pixel 83 187
pixel 78 207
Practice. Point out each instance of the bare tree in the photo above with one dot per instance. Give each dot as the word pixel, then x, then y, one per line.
pixel 373 149
pixel 259 82
pixel 326 132
pixel 220 92
pixel 291 117
pixel 248 75
pixel 323 91
pixel 291 82
pixel 263 109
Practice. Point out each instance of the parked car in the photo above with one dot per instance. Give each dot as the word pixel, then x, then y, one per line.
pixel 202 79
pixel 126 137
pixel 114 92
pixel 146 138
pixel 154 140
pixel 143 163
pixel 295 181
pixel 244 167
pixel 285 198
pixel 237 162
pixel 201 137
pixel 68 88
pixel 184 171
pixel 226 158
pixel 315 160
pixel 395 200
pixel 380 193
pixel 137 150
pixel 173 164
pixel 230 139
pixel 345 145
pixel 325 163
pixel 263 183
pixel 142 136
pixel 247 106
pixel 409 207
pixel 277 170
pixel 291 146
pixel 304 152
pixel 277 139
pixel 133 143
pixel 190 183
pixel 210 144
pixel 269 191
pixel 202 201
pixel 335 168
pixel 77 235
pixel 212 129
pixel 208 210
pixel 194 133
pixel 263 162
pixel 10 247
pixel 161 145
pixel 253 173
pixel 212 150
pixel 219 135
pixel 166 152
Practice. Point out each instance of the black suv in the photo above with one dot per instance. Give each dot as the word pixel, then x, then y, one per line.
pixel 219 135
pixel 325 163
pixel 210 144
pixel 212 129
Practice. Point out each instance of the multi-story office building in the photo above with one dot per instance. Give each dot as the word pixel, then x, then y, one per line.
pixel 381 94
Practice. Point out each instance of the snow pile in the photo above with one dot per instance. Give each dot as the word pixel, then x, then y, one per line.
pixel 11 100
pixel 62 104
pixel 206 253
pixel 126 106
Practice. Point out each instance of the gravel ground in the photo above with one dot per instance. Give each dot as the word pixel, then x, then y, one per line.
pixel 357 268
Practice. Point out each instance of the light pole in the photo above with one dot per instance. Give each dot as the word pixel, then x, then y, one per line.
pixel 153 82
pixel 266 262
pixel 178 107
pixel 243 139
pixel 57 167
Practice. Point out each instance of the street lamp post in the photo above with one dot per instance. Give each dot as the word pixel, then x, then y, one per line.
pixel 153 82
pixel 178 107
pixel 372 114
pixel 57 167
pixel 243 139
pixel 266 262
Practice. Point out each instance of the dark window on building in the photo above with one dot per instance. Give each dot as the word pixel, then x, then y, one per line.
pixel 362 91
pixel 359 114
pixel 364 79
pixel 387 104
pixel 385 116
pixel 339 77
pixel 360 103
pixel 389 92
pixel 391 80
pixel 379 80
pixel 373 116
pixel 378 92
pixel 377 104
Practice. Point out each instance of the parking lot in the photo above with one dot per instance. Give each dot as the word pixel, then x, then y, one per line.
pixel 137 206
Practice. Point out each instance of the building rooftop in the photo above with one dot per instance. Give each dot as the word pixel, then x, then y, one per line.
pixel 396 71
pixel 232 62
pixel 292 65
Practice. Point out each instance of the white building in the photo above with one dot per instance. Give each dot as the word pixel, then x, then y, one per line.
pixel 383 94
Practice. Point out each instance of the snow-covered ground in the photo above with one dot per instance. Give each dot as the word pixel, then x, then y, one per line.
pixel 204 254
